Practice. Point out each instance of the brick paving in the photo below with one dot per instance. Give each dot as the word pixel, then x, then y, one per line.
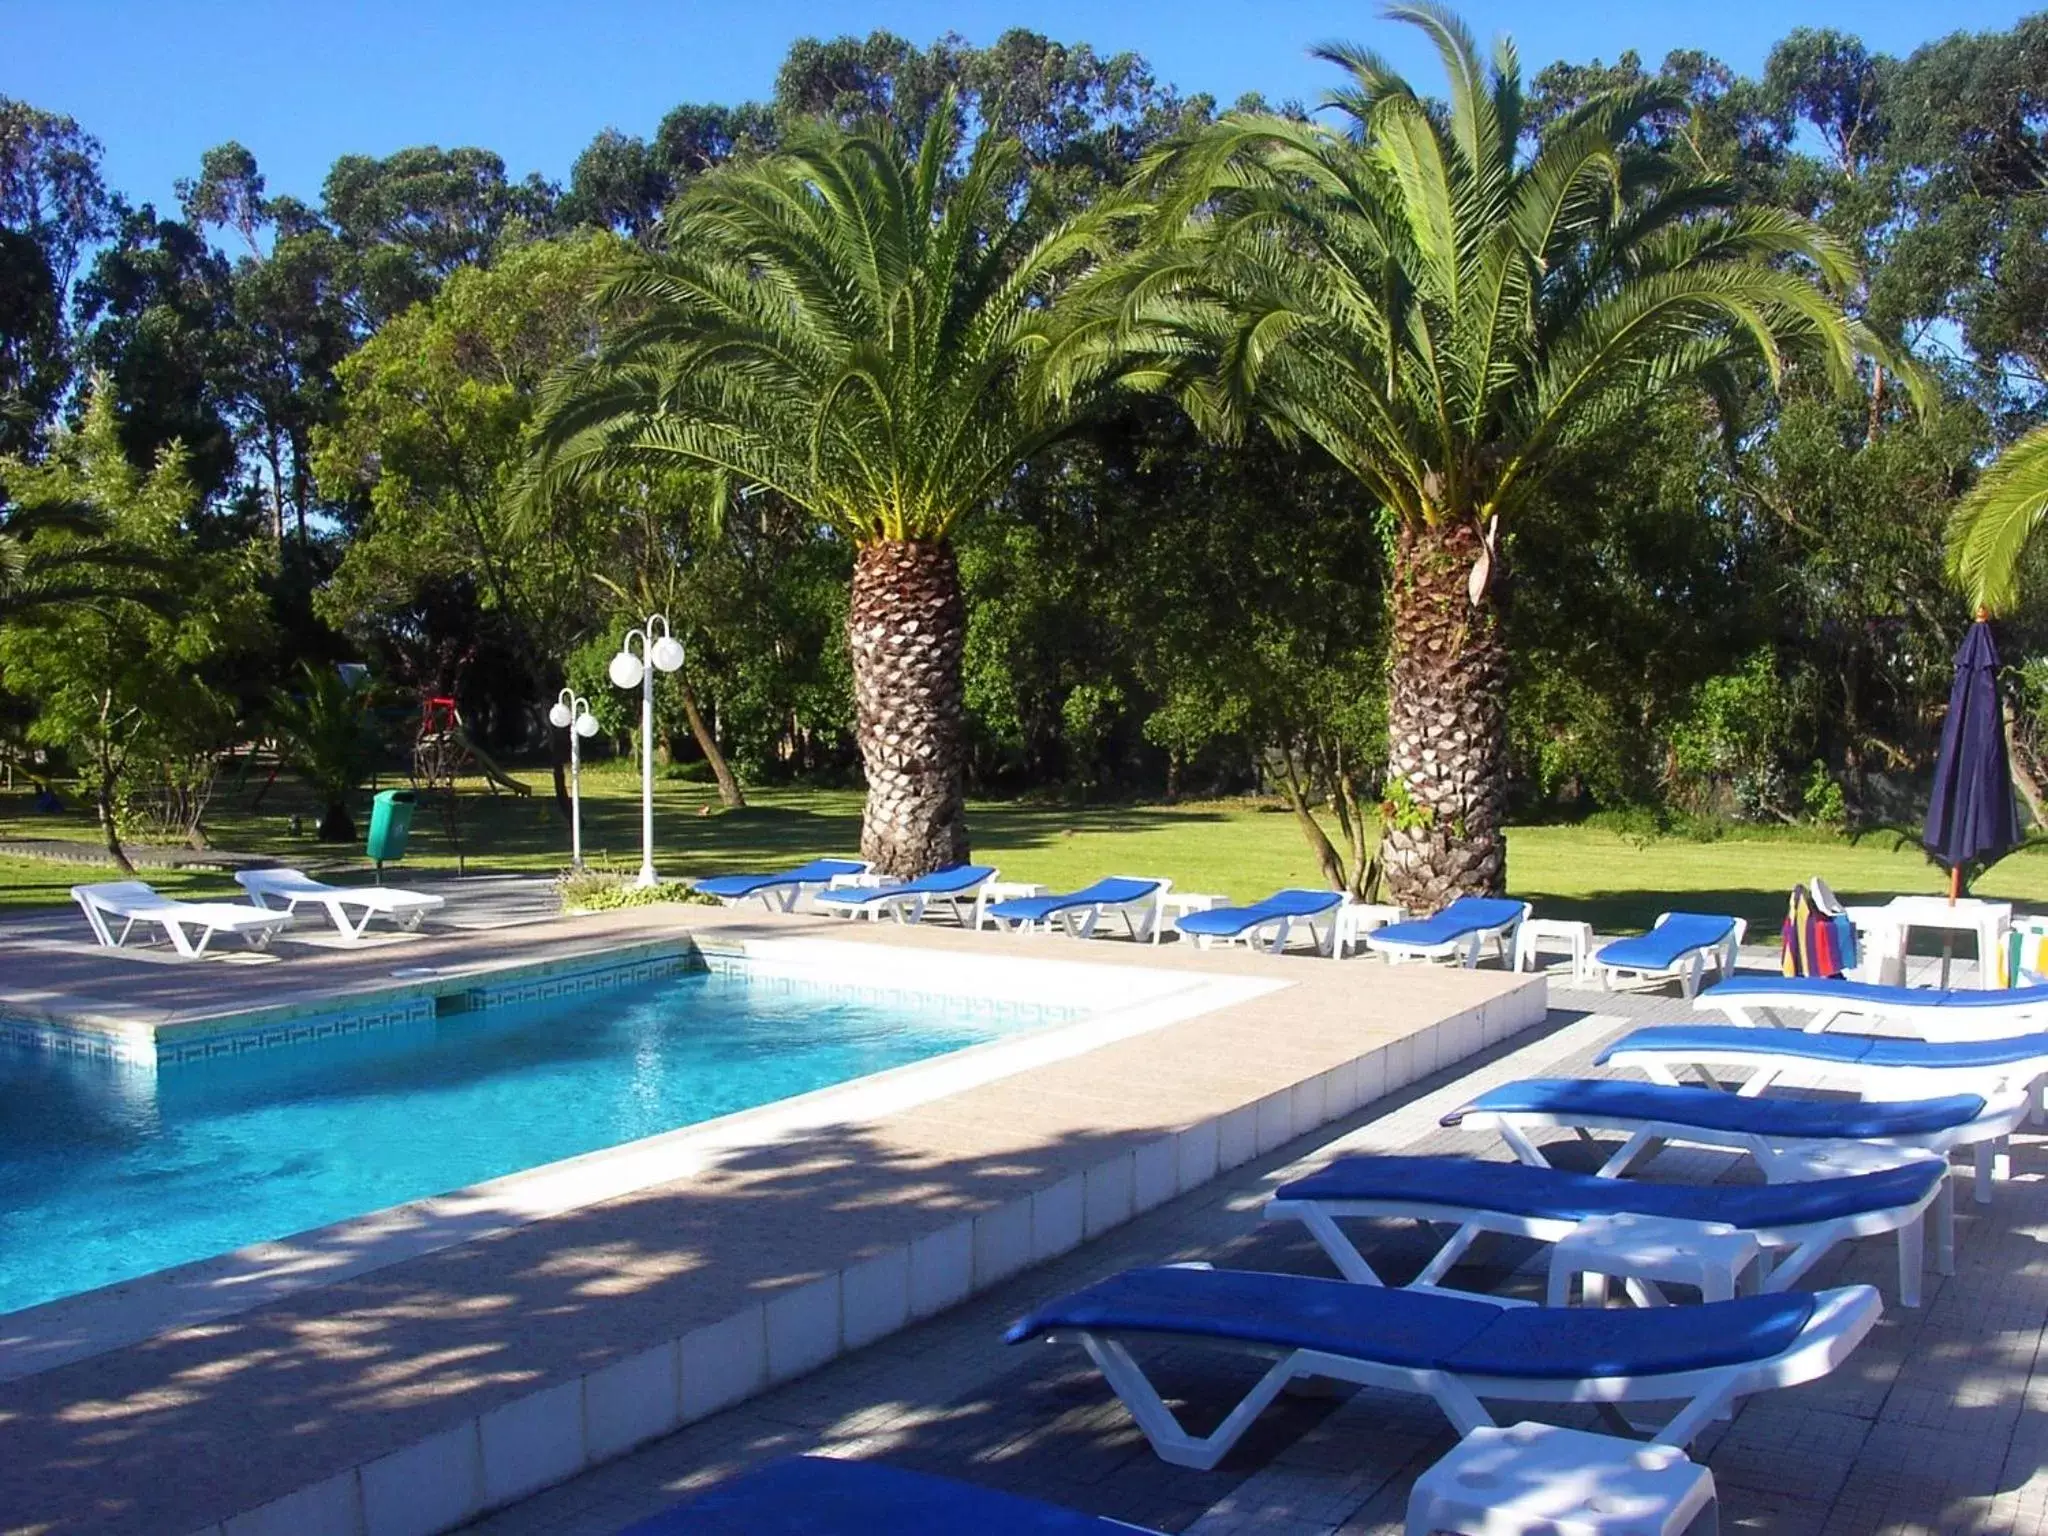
pixel 1934 1425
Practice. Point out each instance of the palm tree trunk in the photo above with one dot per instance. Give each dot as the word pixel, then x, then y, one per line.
pixel 906 626
pixel 1446 722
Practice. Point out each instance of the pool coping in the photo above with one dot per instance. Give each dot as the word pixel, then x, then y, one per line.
pixel 958 1211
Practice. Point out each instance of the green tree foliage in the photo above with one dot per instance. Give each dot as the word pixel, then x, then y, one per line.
pixel 430 432
pixel 132 682
pixel 327 735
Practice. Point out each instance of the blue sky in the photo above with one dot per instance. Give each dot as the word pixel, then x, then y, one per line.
pixel 302 81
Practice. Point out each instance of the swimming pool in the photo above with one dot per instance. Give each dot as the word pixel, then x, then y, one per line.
pixel 108 1172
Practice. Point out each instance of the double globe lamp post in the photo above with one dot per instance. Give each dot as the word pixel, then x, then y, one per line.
pixel 661 652
pixel 572 714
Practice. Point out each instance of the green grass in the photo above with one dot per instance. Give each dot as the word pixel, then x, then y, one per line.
pixel 1242 849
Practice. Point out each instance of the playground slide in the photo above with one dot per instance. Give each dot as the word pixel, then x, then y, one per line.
pixel 490 769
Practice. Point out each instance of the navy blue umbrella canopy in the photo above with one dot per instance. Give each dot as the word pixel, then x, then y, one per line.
pixel 1971 818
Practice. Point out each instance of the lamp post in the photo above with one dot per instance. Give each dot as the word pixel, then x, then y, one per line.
pixel 572 714
pixel 663 652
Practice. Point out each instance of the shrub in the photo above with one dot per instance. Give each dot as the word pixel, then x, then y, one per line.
pixel 607 890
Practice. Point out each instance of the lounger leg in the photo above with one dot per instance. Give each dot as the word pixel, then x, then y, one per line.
pixel 1715 1403
pixel 181 941
pixel 1983 1153
pixel 1173 1443
pixel 1943 1214
pixel 1641 1145
pixel 1351 1264
pixel 1447 1257
pixel 1912 1259
pixel 1525 1150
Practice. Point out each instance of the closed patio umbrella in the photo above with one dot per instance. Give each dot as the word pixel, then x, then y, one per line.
pixel 1971 816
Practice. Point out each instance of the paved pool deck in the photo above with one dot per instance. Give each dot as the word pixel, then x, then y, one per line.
pixel 407 1396
pixel 1936 1426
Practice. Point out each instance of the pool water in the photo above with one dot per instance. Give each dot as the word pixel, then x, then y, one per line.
pixel 110 1172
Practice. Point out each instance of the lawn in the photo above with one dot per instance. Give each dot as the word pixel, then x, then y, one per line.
pixel 1240 848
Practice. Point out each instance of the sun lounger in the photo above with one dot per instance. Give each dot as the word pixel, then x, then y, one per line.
pixel 1458 1350
pixel 1787 1137
pixel 781 891
pixel 288 889
pixel 1925 1011
pixel 1269 923
pixel 1456 933
pixel 1798 1224
pixel 1680 947
pixel 961 888
pixel 827 1496
pixel 132 901
pixel 1868 1062
pixel 1137 900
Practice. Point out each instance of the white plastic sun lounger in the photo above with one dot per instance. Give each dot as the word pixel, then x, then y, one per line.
pixel 1798 1224
pixel 289 889
pixel 1458 1350
pixel 1789 1138
pixel 1680 947
pixel 1877 1066
pixel 1456 933
pixel 132 901
pixel 781 890
pixel 1138 900
pixel 1268 924
pixel 962 889
pixel 1823 1002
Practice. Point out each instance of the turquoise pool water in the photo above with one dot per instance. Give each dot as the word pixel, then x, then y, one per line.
pixel 108 1172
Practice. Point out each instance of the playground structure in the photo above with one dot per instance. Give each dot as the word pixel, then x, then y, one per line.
pixel 443 751
pixel 441 754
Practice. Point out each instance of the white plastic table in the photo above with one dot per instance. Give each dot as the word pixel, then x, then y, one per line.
pixel 1886 933
pixel 1181 903
pixel 1355 919
pixel 1541 1480
pixel 1641 1250
pixel 1537 934
pixel 1008 890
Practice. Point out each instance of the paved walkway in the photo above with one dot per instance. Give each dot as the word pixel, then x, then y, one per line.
pixel 1933 1426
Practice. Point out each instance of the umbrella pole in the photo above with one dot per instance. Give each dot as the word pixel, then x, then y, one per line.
pixel 1948 937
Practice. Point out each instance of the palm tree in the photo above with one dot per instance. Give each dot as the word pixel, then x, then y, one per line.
pixel 843 325
pixel 1448 319
pixel 325 734
pixel 1992 526
pixel 56 552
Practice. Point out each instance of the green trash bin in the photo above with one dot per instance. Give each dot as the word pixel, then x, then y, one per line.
pixel 390 825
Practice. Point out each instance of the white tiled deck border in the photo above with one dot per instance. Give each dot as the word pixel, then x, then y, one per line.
pixel 493 1459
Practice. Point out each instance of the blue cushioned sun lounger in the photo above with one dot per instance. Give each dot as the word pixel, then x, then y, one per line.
pixel 1680 947
pixel 1269 923
pixel 1787 1137
pixel 782 890
pixel 1798 1224
pixel 1862 1059
pixel 1456 933
pixel 1826 1001
pixel 824 1496
pixel 1138 901
pixel 961 889
pixel 1458 1350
